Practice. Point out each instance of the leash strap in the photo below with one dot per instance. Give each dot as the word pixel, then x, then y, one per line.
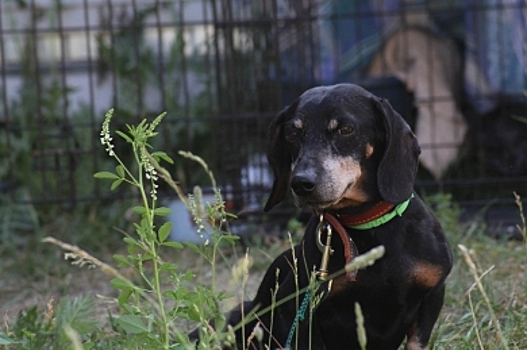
pixel 300 316
pixel 350 250
pixel 316 295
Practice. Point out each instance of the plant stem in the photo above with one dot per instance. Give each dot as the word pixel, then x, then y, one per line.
pixel 523 226
pixel 151 244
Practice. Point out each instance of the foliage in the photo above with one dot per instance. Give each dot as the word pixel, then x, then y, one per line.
pixel 16 220
pixel 486 292
pixel 150 309
pixel 52 329
pixel 135 66
pixel 46 140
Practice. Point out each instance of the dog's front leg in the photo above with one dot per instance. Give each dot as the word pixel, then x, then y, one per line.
pixel 419 333
pixel 268 310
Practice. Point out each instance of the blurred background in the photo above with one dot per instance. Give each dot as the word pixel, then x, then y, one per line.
pixel 456 70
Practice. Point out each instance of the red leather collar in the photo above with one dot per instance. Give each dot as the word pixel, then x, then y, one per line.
pixel 338 221
pixel 371 214
pixel 350 249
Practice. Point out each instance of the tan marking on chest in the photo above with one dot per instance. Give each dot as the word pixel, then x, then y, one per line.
pixel 427 275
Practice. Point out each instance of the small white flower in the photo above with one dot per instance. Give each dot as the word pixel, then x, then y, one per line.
pixel 106 139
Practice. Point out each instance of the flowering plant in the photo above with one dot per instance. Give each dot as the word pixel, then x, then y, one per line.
pixel 151 308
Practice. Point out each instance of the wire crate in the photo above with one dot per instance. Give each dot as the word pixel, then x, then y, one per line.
pixel 456 70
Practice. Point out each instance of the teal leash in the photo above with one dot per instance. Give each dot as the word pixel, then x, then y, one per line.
pixel 321 275
pixel 300 316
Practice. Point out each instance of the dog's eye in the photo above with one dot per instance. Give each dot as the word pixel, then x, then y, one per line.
pixel 292 135
pixel 345 130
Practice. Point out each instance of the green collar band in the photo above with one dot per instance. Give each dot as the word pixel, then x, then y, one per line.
pixel 397 211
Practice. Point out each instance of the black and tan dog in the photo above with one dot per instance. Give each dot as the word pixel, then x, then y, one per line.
pixel 347 155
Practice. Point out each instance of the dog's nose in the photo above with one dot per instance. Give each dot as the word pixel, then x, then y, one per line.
pixel 303 184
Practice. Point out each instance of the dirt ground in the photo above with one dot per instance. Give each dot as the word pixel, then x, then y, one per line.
pixel 21 289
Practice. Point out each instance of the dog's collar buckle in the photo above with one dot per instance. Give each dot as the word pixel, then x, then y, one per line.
pixel 325 248
pixel 328 223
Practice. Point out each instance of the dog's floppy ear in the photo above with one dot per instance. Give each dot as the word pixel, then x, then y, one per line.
pixel 278 157
pixel 398 166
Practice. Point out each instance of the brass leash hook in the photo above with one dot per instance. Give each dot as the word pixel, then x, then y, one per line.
pixel 322 272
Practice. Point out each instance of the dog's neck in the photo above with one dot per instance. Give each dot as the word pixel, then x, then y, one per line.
pixel 358 209
pixel 366 214
pixel 371 214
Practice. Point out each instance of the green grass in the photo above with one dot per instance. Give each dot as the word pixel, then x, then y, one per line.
pixel 469 320
pixel 491 315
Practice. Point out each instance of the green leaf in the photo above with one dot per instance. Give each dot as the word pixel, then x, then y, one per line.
pixel 116 184
pixel 132 324
pixel 105 175
pixel 164 231
pixel 194 313
pixel 162 155
pixel 120 170
pixel 122 261
pixel 88 345
pixel 130 241
pixel 78 313
pixel 124 296
pixel 193 247
pixel 172 244
pixel 139 210
pixel 118 283
pixel 147 256
pixel 124 136
pixel 219 321
pixel 231 239
pixel 143 229
pixel 189 276
pixel 162 211
pixel 4 340
pixel 166 266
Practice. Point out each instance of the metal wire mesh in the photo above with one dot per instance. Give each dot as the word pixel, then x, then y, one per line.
pixel 223 68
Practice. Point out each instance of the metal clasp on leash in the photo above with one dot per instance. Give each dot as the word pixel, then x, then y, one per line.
pixel 324 228
pixel 315 293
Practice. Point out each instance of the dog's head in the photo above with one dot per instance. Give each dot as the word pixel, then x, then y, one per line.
pixel 341 146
